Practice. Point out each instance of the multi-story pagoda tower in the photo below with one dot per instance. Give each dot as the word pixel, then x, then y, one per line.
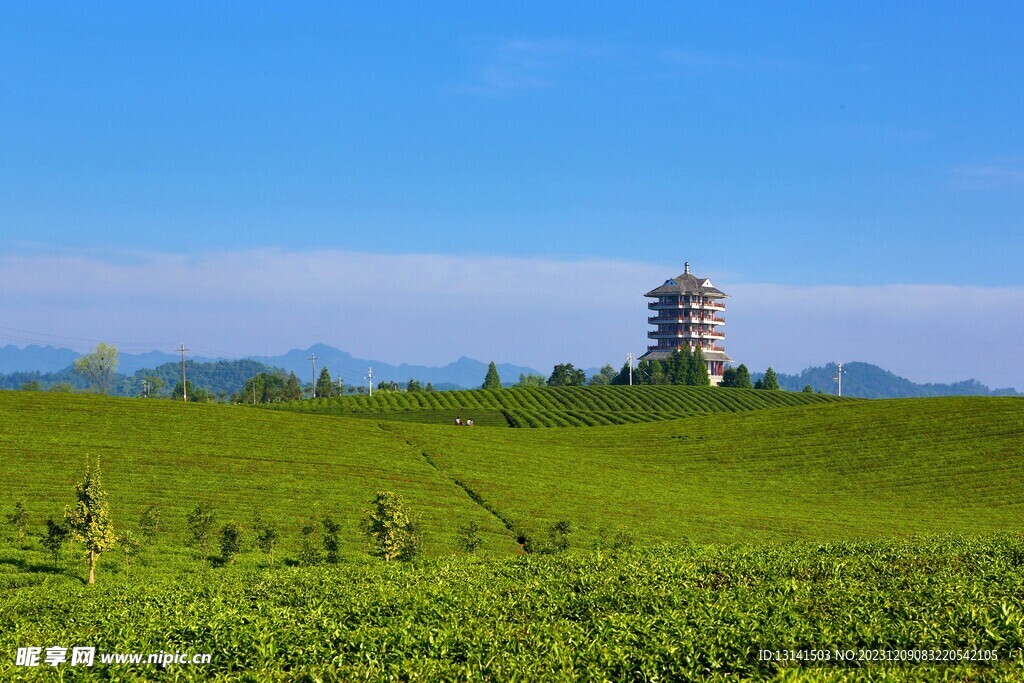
pixel 688 313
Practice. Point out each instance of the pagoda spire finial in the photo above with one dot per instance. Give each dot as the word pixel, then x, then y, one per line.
pixel 686 270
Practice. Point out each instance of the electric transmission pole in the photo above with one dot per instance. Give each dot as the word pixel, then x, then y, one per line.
pixel 839 378
pixel 369 376
pixel 313 359
pixel 629 359
pixel 184 383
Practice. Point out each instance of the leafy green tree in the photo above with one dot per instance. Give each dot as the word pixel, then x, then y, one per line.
pixel 230 542
pixel 699 369
pixel 770 381
pixel 98 367
pixel 195 394
pixel 89 520
pixel 414 386
pixel 310 547
pixel 292 389
pixel 492 380
pixel 149 523
pixel 31 386
pixel 657 375
pixel 531 380
pixel 742 377
pixel 430 388
pixel 469 537
pixel 200 525
pixel 266 538
pixel 565 375
pixel 558 536
pixel 331 530
pixel 131 546
pixel 728 378
pixel 808 389
pixel 603 377
pixel 265 388
pixel 324 385
pixel 622 378
pixel 61 388
pixel 391 528
pixel 644 369
pixel 676 367
pixel 18 519
pixel 54 538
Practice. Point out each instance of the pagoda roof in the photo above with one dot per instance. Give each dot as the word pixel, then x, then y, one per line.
pixel 687 283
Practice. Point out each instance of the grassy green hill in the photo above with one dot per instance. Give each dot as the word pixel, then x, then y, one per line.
pixel 554 406
pixel 801 485
pixel 822 471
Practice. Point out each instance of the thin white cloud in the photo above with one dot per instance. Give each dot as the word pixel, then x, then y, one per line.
pixel 728 62
pixel 512 66
pixel 1007 172
pixel 431 308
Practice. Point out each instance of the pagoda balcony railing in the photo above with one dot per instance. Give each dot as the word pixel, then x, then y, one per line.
pixel 699 319
pixel 666 334
pixel 659 305
pixel 672 347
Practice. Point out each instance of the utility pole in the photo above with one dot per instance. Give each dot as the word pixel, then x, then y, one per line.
pixel 313 359
pixel 145 388
pixel 184 382
pixel 629 359
pixel 369 376
pixel 839 378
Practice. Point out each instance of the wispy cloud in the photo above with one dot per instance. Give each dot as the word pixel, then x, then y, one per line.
pixel 999 174
pixel 721 61
pixel 511 66
pixel 433 308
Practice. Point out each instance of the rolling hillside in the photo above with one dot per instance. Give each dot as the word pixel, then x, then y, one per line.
pixel 555 406
pixel 823 471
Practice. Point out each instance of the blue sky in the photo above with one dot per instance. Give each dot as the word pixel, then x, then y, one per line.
pixel 800 145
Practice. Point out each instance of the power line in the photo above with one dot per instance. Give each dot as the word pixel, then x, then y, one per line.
pixel 33 333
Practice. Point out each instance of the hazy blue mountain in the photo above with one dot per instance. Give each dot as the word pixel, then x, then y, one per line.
pixel 865 380
pixel 35 359
pixel 465 372
pixel 52 359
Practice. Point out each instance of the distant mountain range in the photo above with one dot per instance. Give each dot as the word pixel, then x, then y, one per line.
pixel 465 372
pixel 49 365
pixel 51 359
pixel 865 380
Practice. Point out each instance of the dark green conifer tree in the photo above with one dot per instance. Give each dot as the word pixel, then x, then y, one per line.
pixel 492 380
